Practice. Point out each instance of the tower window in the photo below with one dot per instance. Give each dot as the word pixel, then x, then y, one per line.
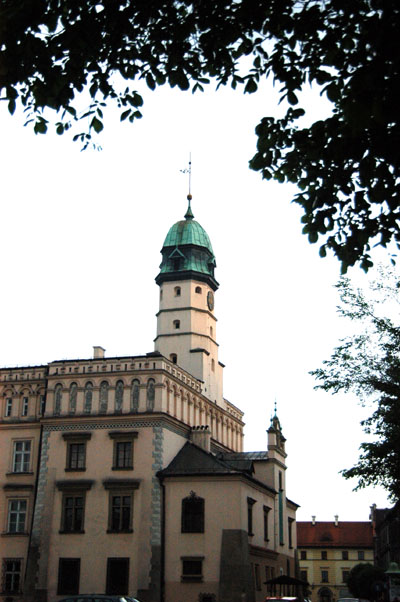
pixel 173 357
pixel 213 365
pixel 211 331
pixel 177 324
pixel 198 290
pixel 176 264
pixel 177 291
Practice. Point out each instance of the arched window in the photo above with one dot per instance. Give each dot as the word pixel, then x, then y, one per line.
pixel 119 395
pixel 160 294
pixel 213 365
pixel 135 395
pixel 87 407
pixel 57 399
pixel 173 357
pixel 151 394
pixel 103 397
pixel 177 324
pixel 73 391
pixel 177 291
pixel 198 290
pixel 192 514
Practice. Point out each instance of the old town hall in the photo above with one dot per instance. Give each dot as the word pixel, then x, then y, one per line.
pixel 127 475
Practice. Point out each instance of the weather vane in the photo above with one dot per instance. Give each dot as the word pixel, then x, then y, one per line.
pixel 188 170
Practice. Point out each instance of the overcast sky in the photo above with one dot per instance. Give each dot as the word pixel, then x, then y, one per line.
pixel 80 242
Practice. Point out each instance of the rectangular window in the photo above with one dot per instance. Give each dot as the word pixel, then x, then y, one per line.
pixel 250 504
pixel 8 407
pixel 324 555
pixel 266 513
pixel 192 517
pixel 76 450
pixel 42 409
pixel 303 554
pixel 290 532
pixel 25 405
pixel 257 577
pixel 192 569
pixel 121 513
pixel 16 516
pixel 76 455
pixel 304 576
pixel 21 456
pixel 345 576
pixel 123 449
pixel 324 576
pixel 12 568
pixel 360 555
pixel 73 513
pixel 345 555
pixel 123 454
pixel 117 576
pixel 68 576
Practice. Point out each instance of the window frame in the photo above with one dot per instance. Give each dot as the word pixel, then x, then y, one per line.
pixel 250 504
pixel 303 554
pixel 74 495
pixel 360 555
pixel 326 572
pixel 73 591
pixel 192 577
pixel 4 589
pixel 71 439
pixel 113 495
pixel 324 555
pixel 194 521
pixel 345 554
pixel 120 488
pixel 122 437
pixel 73 489
pixel 23 453
pixel 266 511
pixel 25 406
pixel 8 407
pixel 19 512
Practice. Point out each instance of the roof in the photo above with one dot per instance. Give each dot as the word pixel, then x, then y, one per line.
pixel 187 251
pixel 329 535
pixel 192 460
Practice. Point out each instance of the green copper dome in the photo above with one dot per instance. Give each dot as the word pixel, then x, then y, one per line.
pixel 187 252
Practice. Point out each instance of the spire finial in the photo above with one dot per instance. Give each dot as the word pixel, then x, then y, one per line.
pixel 189 213
pixel 275 407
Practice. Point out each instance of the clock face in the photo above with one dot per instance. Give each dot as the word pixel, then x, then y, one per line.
pixel 210 300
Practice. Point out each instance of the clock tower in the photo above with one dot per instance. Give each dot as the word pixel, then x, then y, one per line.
pixel 186 324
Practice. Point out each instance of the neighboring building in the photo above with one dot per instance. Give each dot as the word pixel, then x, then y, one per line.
pixel 386 524
pixel 127 474
pixel 327 551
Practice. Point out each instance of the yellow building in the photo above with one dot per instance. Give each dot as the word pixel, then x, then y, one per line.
pixel 127 474
pixel 327 551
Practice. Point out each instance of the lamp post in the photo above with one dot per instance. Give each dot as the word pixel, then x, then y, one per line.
pixel 393 572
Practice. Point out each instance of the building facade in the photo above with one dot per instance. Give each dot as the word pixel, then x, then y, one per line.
pixel 327 551
pixel 386 523
pixel 126 475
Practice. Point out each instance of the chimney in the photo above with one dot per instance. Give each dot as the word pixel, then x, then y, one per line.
pixel 98 353
pixel 201 436
pixel 313 520
pixel 336 520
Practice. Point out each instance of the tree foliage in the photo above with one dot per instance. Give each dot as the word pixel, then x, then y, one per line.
pixel 367 363
pixel 365 580
pixel 346 166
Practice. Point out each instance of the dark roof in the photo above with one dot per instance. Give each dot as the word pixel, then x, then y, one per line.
pixel 192 459
pixel 328 535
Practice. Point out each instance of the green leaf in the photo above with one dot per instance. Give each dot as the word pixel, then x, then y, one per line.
pixel 124 115
pixel 292 98
pixel 150 81
pixel 40 127
pixel 11 106
pixel 97 125
pixel 251 86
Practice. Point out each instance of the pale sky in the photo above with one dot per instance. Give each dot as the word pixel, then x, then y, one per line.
pixel 81 234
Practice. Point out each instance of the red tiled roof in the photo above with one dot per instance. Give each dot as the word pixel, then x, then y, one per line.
pixel 328 535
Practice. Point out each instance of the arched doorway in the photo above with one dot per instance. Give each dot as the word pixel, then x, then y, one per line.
pixel 324 595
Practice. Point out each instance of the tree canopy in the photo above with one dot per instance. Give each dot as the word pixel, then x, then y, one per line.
pixel 367 363
pixel 345 166
pixel 365 581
